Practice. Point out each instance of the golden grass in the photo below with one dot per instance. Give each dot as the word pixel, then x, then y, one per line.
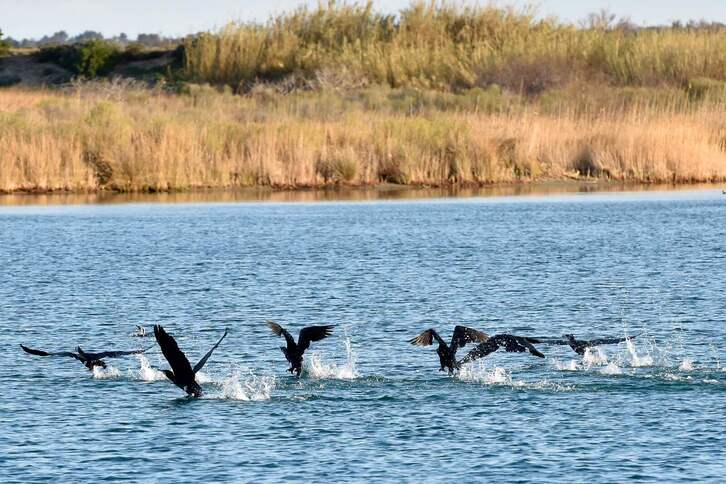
pixel 449 45
pixel 137 140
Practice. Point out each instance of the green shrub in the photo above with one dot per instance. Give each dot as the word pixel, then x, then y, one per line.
pixel 90 59
pixel 96 57
pixel 4 47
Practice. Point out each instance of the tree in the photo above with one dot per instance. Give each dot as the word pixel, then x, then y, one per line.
pixel 87 36
pixel 4 47
pixel 150 40
pixel 58 38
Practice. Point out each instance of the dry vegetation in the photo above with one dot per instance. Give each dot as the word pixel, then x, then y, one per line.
pixel 451 46
pixel 341 95
pixel 133 139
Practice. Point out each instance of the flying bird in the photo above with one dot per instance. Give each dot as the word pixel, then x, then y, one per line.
pixel 181 374
pixel 90 360
pixel 294 351
pixel 447 353
pixel 508 342
pixel 580 345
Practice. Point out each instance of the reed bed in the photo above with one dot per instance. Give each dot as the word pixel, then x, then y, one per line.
pixel 134 139
pixel 450 46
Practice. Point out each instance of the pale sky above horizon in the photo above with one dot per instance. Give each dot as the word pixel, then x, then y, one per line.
pixel 36 18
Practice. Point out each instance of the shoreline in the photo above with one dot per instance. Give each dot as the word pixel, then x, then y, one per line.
pixel 376 192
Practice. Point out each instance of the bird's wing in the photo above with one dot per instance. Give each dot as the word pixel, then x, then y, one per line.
pixel 527 344
pixel 546 340
pixel 176 358
pixel 427 338
pixel 481 350
pixel 45 353
pixel 114 354
pixel 312 333
pixel 463 335
pixel 280 331
pixel 607 341
pixel 203 361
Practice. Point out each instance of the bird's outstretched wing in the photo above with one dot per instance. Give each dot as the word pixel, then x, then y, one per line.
pixel 312 333
pixel 427 338
pixel 527 344
pixel 176 357
pixel 204 359
pixel 480 351
pixel 608 341
pixel 111 354
pixel 280 331
pixel 45 353
pixel 463 335
pixel 546 340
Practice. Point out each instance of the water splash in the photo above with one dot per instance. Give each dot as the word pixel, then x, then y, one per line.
pixel 568 366
pixel 611 369
pixel 318 369
pixel 686 365
pixel 594 356
pixel 636 360
pixel 479 373
pixel 146 371
pixel 247 387
pixel 203 378
pixel 105 373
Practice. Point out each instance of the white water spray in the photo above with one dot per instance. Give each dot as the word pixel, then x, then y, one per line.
pixel 636 360
pixel 319 369
pixel 249 387
pixel 105 373
pixel 146 372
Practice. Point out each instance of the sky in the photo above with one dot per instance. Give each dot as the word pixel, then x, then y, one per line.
pixel 36 18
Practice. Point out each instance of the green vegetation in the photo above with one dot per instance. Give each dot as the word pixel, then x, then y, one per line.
pixel 4 46
pixel 90 59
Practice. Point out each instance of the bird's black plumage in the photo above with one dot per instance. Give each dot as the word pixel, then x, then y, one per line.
pixel 89 359
pixel 581 345
pixel 447 353
pixel 508 342
pixel 181 374
pixel 294 351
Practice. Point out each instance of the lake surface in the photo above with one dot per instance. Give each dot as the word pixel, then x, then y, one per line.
pixel 369 406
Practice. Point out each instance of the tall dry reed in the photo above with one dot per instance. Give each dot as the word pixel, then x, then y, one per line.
pixel 448 45
pixel 136 140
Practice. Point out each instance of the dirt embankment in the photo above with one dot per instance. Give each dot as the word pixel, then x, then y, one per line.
pixel 25 68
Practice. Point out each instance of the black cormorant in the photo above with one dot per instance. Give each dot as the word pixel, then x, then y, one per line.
pixel 447 353
pixel 580 345
pixel 90 360
pixel 508 342
pixel 294 351
pixel 181 374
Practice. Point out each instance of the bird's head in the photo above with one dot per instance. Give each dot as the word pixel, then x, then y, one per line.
pixel 194 389
pixel 569 337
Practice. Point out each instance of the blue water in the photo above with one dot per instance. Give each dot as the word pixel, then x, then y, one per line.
pixel 369 406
